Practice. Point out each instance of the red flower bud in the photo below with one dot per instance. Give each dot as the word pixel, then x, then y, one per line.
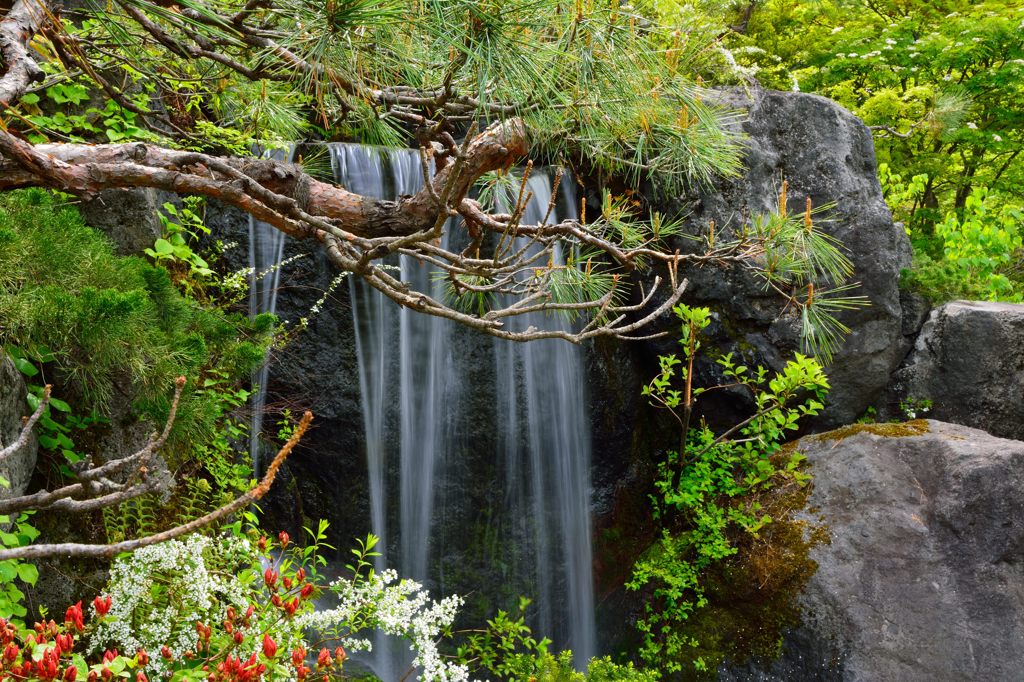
pixel 262 544
pixel 102 606
pixel 306 590
pixel 270 577
pixel 300 574
pixel 298 656
pixel 141 677
pixel 73 616
pixel 93 676
pixel 276 600
pixel 106 673
pixel 11 652
pixel 340 655
pixel 324 659
pixel 269 647
pixel 283 538
pixel 71 674
pixel 238 637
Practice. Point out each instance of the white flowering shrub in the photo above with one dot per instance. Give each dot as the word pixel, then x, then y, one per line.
pixel 159 593
pixel 251 610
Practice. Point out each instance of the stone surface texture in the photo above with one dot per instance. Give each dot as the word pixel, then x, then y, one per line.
pixel 18 467
pixel 825 153
pixel 969 361
pixel 924 578
pixel 129 217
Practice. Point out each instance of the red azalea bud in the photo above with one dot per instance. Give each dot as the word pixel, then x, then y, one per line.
pixel 292 606
pixel 109 655
pixel 71 674
pixel 340 655
pixel 106 673
pixel 270 577
pixel 298 656
pixel 102 606
pixel 262 544
pixel 324 659
pixel 276 600
pixel 269 647
pixel 73 616
pixel 141 677
pixel 228 627
pixel 249 611
pixel 306 590
pixel 11 652
pixel 283 538
pixel 238 637
pixel 142 657
pixel 300 574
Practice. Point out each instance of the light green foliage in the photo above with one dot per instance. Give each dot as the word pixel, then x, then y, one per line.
pixel 16 534
pixel 595 81
pixel 507 650
pixel 941 85
pixel 96 325
pixel 182 228
pixel 712 494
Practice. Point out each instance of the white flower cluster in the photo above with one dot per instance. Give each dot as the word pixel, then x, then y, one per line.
pixel 395 607
pixel 327 292
pixel 157 596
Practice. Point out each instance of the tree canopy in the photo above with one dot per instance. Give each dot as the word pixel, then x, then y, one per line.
pixel 601 89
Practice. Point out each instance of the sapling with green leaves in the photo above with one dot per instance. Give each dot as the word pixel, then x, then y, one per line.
pixel 708 490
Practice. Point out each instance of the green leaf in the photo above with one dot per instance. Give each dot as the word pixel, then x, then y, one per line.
pixel 163 247
pixel 60 405
pixel 28 574
pixel 25 367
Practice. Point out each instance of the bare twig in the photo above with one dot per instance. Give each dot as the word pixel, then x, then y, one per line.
pixel 71 549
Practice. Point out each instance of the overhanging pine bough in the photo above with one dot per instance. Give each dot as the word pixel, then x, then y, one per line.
pixel 592 86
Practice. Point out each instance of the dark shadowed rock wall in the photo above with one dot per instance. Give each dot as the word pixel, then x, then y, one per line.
pixel 824 152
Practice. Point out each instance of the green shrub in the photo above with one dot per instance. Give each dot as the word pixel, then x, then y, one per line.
pixel 104 327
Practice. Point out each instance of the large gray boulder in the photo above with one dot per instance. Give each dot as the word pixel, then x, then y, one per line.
pixel 827 154
pixel 969 362
pixel 924 578
pixel 18 467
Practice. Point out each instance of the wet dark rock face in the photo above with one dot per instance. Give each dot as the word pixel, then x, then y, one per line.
pixel 325 477
pixel 824 153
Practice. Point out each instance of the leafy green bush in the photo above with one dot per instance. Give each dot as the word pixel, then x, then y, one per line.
pixel 100 325
pixel 717 495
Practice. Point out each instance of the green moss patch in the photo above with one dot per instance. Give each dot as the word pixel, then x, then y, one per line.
pixel 916 427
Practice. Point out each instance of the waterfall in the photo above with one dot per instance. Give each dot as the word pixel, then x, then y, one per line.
pixel 266 248
pixel 542 394
pixel 413 382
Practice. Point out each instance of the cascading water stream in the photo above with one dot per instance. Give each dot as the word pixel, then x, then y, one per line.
pixel 413 384
pixel 542 391
pixel 266 249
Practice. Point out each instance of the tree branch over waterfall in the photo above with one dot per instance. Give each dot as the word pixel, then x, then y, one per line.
pixel 595 91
